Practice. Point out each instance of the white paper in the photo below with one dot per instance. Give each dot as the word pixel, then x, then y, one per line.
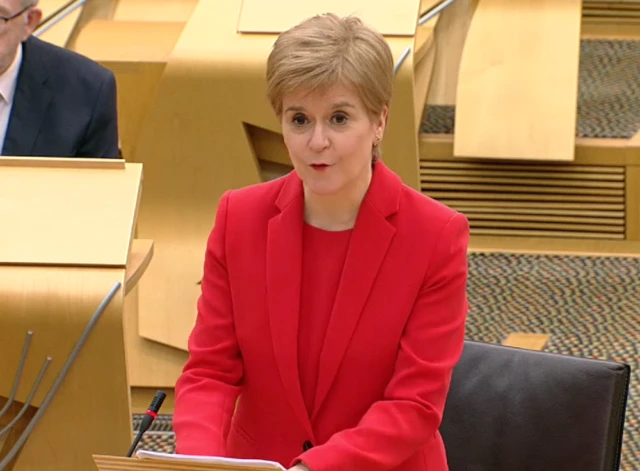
pixel 247 464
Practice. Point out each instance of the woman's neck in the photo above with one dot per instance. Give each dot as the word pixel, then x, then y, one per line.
pixel 338 211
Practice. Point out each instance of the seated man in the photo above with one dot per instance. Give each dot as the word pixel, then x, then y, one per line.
pixel 53 102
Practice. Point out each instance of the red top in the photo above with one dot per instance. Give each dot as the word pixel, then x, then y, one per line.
pixel 323 254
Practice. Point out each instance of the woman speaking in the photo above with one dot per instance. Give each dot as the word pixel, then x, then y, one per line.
pixel 333 300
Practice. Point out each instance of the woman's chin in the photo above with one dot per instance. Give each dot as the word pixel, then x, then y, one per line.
pixel 324 188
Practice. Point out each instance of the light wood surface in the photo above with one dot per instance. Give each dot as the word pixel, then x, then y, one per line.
pixel 191 155
pixel 450 37
pixel 117 463
pixel 107 201
pixel 395 19
pixel 526 340
pixel 56 303
pixel 425 58
pixel 506 106
pixel 154 10
pixel 54 278
pixel 150 364
pixel 139 258
pixel 400 143
pixel 595 28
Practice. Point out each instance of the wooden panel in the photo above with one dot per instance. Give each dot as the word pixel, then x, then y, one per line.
pixel 154 10
pixel 138 261
pixel 633 203
pixel 597 28
pixel 504 109
pixel 549 200
pixel 191 155
pixel 398 18
pixel 424 61
pixel 526 340
pixel 57 303
pixel 118 463
pixel 450 36
pixel 129 41
pixel 552 234
pixel 149 364
pixel 67 211
pixel 590 152
pixel 618 10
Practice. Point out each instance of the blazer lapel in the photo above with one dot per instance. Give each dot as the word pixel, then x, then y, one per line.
pixel 284 265
pixel 369 243
pixel 30 103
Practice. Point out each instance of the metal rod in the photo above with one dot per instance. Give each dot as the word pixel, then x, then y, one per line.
pixel 61 14
pixel 55 13
pixel 16 380
pixel 63 373
pixel 404 55
pixel 433 12
pixel 27 403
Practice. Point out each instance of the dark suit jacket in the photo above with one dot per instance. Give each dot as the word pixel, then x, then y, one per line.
pixel 64 106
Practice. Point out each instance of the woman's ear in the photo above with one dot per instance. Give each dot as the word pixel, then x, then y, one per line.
pixel 382 121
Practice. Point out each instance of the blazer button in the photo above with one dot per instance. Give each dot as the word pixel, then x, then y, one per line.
pixel 307 445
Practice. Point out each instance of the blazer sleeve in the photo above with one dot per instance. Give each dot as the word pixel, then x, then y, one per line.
pixel 410 413
pixel 209 385
pixel 101 139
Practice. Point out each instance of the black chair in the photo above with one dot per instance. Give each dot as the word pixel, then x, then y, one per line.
pixel 512 409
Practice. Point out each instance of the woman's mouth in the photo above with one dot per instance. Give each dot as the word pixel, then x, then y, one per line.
pixel 319 167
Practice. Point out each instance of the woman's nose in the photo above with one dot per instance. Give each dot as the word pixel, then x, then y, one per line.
pixel 319 139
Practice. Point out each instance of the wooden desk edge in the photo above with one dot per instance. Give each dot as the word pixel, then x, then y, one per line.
pixel 139 259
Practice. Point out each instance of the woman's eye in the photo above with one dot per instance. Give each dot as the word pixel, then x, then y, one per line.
pixel 299 120
pixel 340 118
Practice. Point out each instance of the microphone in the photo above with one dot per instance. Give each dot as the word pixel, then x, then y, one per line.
pixel 147 420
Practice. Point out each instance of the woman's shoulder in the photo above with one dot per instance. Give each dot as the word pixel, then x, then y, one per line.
pixel 257 196
pixel 420 207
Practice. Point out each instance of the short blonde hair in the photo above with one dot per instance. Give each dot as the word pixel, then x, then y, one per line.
pixel 325 51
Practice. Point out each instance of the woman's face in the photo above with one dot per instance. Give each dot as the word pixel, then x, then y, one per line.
pixel 330 136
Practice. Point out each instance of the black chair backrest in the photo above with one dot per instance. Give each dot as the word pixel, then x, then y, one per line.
pixel 512 409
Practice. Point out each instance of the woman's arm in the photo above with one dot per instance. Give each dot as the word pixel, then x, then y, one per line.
pixel 209 385
pixel 410 414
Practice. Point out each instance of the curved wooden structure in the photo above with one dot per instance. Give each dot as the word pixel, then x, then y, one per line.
pixel 66 244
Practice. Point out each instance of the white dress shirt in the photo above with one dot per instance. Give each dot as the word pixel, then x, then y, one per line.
pixel 8 83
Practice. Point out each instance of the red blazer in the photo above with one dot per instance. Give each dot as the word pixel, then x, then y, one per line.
pixel 395 334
